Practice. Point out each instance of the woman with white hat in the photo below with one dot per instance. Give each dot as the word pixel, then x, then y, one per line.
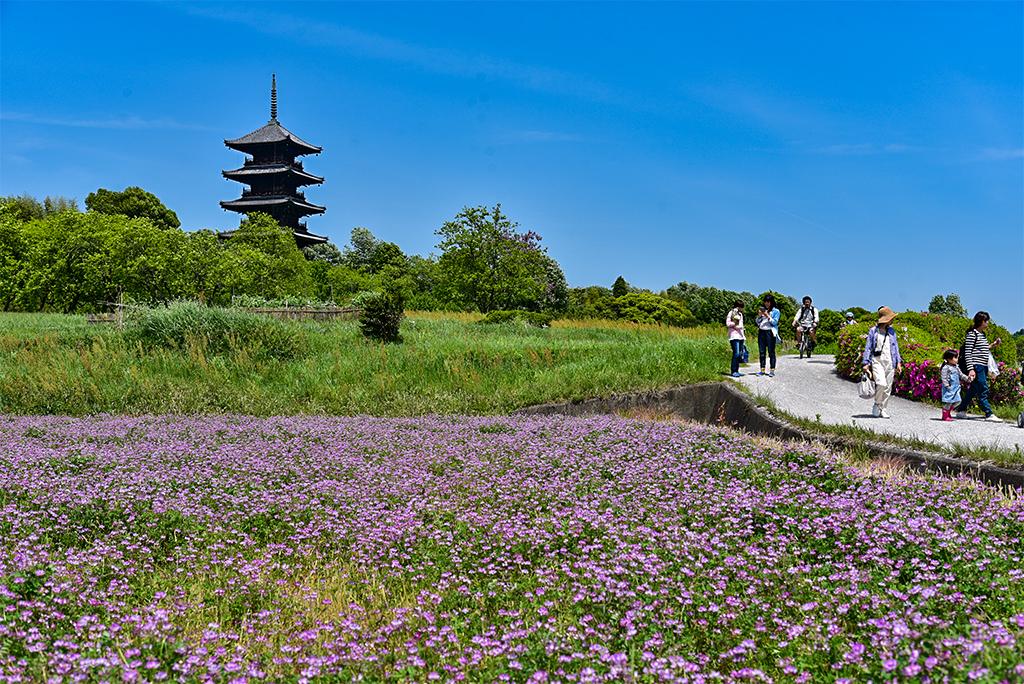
pixel 882 360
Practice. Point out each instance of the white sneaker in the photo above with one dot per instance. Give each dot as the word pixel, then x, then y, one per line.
pixel 993 418
pixel 875 411
pixel 962 415
pixel 884 414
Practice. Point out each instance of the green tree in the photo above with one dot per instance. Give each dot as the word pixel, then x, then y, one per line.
pixel 196 266
pixel 829 325
pixel 645 307
pixel 26 208
pixel 326 252
pixel 709 304
pixel 487 265
pixel 949 305
pixel 55 205
pixel 132 202
pixel 620 287
pixel 13 248
pixel 556 288
pixel 860 314
pixel 68 264
pixel 368 254
pixel 261 258
pixel 590 302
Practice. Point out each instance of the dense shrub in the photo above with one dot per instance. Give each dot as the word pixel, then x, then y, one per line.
pixel 255 302
pixel 924 381
pixel 534 318
pixel 215 330
pixel 828 326
pixel 1006 387
pixel 922 358
pixel 950 331
pixel 644 307
pixel 916 346
pixel 919 380
pixel 382 316
pixel 589 302
pixel 1006 351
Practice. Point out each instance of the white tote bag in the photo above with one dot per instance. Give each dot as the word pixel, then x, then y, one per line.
pixel 866 387
pixel 993 367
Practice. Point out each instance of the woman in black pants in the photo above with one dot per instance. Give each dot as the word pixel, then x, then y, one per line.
pixel 767 332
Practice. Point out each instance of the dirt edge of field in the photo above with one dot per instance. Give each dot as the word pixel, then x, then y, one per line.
pixel 719 403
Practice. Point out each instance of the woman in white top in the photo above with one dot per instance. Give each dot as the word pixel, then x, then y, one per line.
pixel 737 337
pixel 882 360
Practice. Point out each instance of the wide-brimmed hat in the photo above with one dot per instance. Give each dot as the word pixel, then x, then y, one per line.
pixel 885 315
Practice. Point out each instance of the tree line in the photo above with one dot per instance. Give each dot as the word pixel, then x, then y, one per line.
pixel 56 257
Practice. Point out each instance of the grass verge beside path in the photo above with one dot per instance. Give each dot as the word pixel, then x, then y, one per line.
pixel 53 364
pixel 1005 458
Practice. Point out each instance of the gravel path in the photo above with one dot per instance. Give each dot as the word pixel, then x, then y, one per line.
pixel 809 388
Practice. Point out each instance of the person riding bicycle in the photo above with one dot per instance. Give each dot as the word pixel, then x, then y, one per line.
pixel 806 322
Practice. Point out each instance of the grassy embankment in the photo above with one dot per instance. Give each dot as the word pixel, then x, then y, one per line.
pixel 448 364
pixel 53 364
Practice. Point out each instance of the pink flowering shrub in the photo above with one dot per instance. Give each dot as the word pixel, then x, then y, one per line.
pixel 1006 388
pixel 916 346
pixel 919 380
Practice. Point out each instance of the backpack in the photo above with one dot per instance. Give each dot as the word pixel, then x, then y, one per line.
pixel 962 361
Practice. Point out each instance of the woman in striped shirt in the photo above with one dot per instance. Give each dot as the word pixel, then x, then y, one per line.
pixel 977 350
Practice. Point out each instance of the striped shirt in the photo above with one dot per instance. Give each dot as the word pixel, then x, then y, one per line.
pixel 976 346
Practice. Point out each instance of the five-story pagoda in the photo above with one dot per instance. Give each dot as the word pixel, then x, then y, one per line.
pixel 274 176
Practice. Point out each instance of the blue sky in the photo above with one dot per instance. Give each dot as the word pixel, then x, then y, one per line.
pixel 866 154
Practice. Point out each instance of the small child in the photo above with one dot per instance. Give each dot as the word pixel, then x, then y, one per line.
pixel 951 379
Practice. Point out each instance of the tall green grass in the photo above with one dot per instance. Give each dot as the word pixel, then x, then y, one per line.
pixel 59 365
pixel 217 330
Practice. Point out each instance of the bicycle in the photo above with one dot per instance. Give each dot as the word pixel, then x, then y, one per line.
pixel 806 343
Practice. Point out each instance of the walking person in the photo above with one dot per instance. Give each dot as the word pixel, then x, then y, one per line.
pixel 952 376
pixel 976 352
pixel 737 336
pixel 767 333
pixel 882 360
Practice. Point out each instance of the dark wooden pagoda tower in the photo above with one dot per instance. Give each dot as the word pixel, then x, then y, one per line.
pixel 274 176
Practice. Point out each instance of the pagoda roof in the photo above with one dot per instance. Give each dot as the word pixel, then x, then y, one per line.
pixel 302 237
pixel 272 133
pixel 264 170
pixel 257 202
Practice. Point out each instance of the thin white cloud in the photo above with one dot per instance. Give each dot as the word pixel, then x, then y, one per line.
pixel 1002 153
pixel 113 123
pixel 766 111
pixel 863 149
pixel 437 60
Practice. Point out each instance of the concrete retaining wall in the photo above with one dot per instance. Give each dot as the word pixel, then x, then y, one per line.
pixel 719 403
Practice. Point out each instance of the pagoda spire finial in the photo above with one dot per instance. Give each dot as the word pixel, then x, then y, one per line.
pixel 273 97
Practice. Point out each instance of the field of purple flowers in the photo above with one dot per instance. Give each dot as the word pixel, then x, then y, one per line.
pixel 479 549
